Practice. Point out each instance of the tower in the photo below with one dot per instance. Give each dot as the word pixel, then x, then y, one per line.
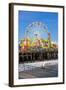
pixel 49 40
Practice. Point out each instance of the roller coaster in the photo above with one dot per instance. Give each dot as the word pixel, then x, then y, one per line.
pixel 36 47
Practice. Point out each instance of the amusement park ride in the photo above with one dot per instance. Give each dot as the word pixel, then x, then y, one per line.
pixel 35 48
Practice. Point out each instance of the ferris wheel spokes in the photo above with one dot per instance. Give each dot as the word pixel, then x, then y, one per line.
pixel 34 28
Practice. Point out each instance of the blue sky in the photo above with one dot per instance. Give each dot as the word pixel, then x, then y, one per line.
pixel 50 19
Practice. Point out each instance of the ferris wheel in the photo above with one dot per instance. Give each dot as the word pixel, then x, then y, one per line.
pixel 36 29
